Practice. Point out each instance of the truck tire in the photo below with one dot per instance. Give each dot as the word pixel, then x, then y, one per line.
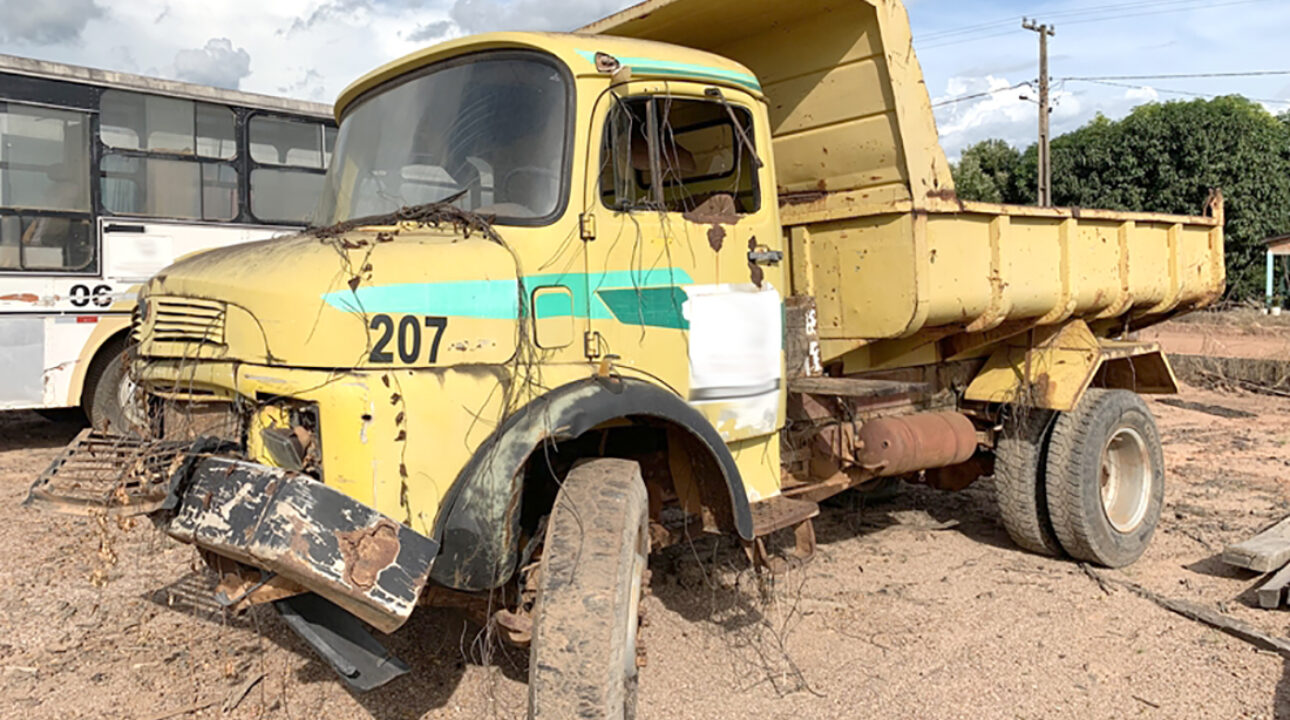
pixel 1020 482
pixel 111 400
pixel 582 661
pixel 1106 478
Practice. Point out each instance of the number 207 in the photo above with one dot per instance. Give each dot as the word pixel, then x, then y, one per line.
pixel 408 341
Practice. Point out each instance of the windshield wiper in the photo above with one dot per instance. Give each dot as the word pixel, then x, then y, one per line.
pixel 431 213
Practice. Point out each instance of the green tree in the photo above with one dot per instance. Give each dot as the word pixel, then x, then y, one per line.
pixel 1166 157
pixel 989 171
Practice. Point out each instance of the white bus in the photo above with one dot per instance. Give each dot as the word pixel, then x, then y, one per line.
pixel 105 178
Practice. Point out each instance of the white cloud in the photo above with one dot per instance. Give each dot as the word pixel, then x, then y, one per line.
pixel 1006 112
pixel 313 48
pixel 43 22
pixel 1203 40
pixel 475 16
pixel 1142 94
pixel 217 63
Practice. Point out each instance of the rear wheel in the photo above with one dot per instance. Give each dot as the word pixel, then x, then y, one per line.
pixel 582 661
pixel 1106 478
pixel 1020 479
pixel 112 400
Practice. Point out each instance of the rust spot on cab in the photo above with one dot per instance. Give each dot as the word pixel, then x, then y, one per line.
pixel 20 297
pixel 755 273
pixel 716 235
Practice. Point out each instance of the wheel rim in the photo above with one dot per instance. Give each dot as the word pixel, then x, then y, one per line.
pixel 132 409
pixel 1126 479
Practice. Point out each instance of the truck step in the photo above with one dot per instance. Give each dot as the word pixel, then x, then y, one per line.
pixel 780 512
pixel 856 387
pixel 99 472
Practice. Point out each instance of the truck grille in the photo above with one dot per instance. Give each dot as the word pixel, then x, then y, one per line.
pixel 190 320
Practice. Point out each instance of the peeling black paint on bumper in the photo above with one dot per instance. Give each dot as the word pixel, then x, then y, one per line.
pixel 291 524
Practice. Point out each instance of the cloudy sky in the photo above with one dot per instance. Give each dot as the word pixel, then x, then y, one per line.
pixel 312 48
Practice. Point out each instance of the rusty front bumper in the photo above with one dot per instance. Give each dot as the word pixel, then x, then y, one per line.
pixel 291 524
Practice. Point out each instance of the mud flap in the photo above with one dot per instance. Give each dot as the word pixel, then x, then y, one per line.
pixel 340 639
pixel 289 523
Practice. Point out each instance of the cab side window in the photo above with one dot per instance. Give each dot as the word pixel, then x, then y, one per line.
pixel 670 154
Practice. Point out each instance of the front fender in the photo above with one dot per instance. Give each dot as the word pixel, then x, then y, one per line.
pixel 478 527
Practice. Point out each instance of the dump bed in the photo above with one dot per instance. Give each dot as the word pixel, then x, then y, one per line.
pixel 874 229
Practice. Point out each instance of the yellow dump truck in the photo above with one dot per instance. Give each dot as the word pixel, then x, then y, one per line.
pixel 570 297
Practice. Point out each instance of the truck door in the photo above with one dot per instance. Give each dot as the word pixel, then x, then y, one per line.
pixel 683 281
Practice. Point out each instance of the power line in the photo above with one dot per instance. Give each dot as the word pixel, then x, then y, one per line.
pixel 1181 76
pixel 974 96
pixel 946 38
pixel 1173 92
pixel 1205 6
pixel 1060 14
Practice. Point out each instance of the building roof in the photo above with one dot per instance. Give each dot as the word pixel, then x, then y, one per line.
pixel 1279 245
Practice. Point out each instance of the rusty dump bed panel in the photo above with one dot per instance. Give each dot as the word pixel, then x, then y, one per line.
pixel 874 230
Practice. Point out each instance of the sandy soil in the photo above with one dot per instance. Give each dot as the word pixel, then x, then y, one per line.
pixel 917 607
pixel 1241 334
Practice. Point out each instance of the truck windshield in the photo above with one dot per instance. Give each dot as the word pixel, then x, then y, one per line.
pixel 488 132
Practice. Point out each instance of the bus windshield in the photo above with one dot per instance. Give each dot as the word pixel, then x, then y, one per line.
pixel 489 132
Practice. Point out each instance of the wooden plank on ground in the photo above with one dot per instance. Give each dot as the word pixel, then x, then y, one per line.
pixel 1264 552
pixel 1200 613
pixel 1272 594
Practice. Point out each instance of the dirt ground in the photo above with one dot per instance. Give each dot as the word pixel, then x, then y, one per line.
pixel 917 607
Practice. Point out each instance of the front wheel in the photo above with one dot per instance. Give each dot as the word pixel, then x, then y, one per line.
pixel 113 402
pixel 582 661
pixel 1106 478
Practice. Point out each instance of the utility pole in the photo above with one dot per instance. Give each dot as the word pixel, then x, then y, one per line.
pixel 1045 159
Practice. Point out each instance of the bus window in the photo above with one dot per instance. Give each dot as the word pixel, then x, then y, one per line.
pixel 285 195
pixel 282 195
pixel 44 190
pixel 329 144
pixel 44 159
pixel 130 121
pixel 278 141
pixel 215 137
pixel 219 192
pixel 150 123
pixel 46 243
pixel 169 188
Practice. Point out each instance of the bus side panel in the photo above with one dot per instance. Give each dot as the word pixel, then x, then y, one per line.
pixel 22 355
pixel 69 351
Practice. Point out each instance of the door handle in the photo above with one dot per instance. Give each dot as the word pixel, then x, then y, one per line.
pixel 123 228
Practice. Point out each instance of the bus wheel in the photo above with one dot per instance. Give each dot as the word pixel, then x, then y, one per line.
pixel 113 402
pixel 582 661
pixel 1106 478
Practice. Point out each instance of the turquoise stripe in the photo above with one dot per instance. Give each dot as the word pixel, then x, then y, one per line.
pixel 498 299
pixel 471 298
pixel 650 66
pixel 651 307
